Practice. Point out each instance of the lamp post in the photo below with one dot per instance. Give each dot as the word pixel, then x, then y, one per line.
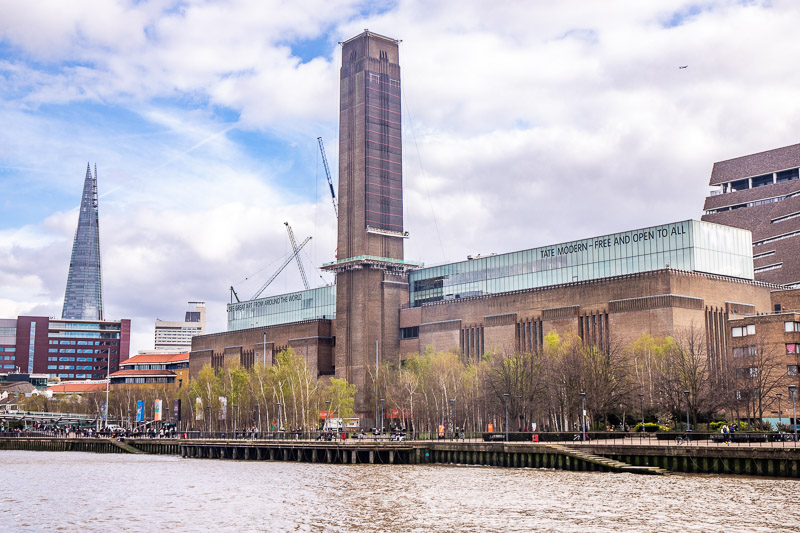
pixel 327 414
pixel 583 416
pixel 208 419
pixel 235 412
pixel 505 400
pixel 278 428
pixel 688 429
pixel 641 404
pixel 452 411
pixel 780 417
pixel 792 390
pixel 108 380
pixel 383 402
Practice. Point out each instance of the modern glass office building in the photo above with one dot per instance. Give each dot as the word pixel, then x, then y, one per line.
pixel 283 309
pixel 689 245
pixel 83 299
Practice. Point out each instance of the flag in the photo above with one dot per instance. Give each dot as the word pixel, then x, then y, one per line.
pixel 198 409
pixel 140 411
pixel 176 410
pixel 157 410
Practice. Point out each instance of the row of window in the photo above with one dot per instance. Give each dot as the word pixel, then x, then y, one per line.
pixel 7 357
pixel 80 343
pixel 778 238
pixel 791 326
pixel 69 367
pixel 8 349
pixel 78 359
pixel 752 204
pixel 776 266
pixel 78 350
pixel 752 371
pixel 145 380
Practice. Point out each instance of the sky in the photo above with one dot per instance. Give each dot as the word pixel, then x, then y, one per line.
pixel 525 123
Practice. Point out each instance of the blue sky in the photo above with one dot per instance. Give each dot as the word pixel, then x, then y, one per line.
pixel 525 123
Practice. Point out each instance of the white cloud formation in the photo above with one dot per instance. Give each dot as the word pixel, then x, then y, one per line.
pixel 525 123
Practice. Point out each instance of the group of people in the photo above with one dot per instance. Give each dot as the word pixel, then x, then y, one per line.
pixel 726 430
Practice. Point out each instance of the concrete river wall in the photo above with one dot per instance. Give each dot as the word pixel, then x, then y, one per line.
pixel 775 461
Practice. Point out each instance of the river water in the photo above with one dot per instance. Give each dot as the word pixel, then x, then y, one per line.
pixel 51 491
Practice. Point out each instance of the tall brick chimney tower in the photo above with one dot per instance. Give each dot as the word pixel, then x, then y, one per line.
pixel 371 281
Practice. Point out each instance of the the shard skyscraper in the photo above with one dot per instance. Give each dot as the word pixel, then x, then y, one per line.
pixel 84 296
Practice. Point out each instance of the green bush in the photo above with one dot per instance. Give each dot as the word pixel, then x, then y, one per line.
pixel 649 427
pixel 715 427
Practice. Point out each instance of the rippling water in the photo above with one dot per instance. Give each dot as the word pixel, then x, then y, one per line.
pixel 93 492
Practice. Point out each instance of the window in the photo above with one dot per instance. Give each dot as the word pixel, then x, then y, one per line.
pixel 791 348
pixel 791 370
pixel 791 326
pixel 743 331
pixel 744 351
pixel 409 333
pixel 749 372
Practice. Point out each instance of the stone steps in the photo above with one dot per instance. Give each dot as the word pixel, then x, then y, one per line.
pixel 611 464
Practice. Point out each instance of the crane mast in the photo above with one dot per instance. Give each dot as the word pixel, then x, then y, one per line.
pixel 328 175
pixel 297 255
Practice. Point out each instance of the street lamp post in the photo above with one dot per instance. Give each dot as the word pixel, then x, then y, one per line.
pixel 208 419
pixel 641 404
pixel 583 416
pixel 780 414
pixel 235 412
pixel 383 402
pixel 327 414
pixel 108 381
pixel 278 428
pixel 688 429
pixel 792 390
pixel 452 411
pixel 505 400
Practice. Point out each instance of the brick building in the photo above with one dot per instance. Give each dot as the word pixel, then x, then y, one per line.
pixel 761 193
pixel 604 289
pixel 765 356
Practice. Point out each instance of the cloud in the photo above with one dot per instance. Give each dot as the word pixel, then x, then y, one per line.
pixel 526 124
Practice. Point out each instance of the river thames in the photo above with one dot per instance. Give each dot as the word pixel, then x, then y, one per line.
pixel 47 491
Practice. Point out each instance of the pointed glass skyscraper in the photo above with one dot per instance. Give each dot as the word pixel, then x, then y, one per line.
pixel 84 297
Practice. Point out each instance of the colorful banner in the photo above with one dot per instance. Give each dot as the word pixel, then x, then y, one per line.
pixel 198 409
pixel 140 411
pixel 157 411
pixel 176 410
pixel 223 407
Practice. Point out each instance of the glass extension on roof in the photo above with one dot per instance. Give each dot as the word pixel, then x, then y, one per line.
pixel 689 245
pixel 283 309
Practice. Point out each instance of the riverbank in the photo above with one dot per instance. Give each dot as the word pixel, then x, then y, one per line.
pixel 754 460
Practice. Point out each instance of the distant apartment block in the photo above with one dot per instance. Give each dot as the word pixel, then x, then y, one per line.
pixel 67 349
pixel 176 336
pixel 761 193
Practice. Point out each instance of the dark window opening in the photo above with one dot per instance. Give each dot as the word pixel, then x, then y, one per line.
pixel 409 333
pixel 760 181
pixel 740 185
pixel 786 175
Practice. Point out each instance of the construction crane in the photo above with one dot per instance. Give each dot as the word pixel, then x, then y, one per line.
pixel 234 295
pixel 328 175
pixel 297 255
pixel 280 269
